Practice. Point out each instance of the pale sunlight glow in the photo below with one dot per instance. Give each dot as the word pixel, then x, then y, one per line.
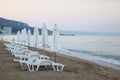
pixel 80 15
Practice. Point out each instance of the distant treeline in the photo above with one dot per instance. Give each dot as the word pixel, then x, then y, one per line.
pixel 17 26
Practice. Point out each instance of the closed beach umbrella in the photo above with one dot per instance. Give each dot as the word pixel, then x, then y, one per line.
pixel 18 36
pixel 23 36
pixel 55 38
pixel 29 37
pixel 44 36
pixel 36 36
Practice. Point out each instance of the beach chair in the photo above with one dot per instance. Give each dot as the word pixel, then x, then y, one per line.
pixel 34 62
pixel 22 52
pixel 55 66
pixel 26 63
pixel 14 48
pixel 27 54
pixel 45 63
pixel 58 66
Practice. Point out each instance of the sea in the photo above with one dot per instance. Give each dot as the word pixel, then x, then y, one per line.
pixel 100 48
pixel 90 47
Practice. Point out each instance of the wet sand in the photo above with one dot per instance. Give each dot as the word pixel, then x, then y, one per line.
pixel 75 68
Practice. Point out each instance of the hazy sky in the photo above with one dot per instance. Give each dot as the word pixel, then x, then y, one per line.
pixel 80 15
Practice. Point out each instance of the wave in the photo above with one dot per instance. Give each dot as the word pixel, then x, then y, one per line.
pixel 95 55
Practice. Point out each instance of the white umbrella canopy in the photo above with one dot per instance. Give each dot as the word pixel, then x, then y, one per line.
pixel 55 38
pixel 29 37
pixel 36 37
pixel 18 36
pixel 24 36
pixel 44 36
pixel 21 36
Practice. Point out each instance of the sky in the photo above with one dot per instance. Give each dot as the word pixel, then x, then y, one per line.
pixel 78 15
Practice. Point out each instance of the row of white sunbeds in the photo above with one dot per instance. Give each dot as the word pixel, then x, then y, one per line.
pixel 31 60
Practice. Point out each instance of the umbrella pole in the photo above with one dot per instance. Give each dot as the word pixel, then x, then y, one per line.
pixel 55 57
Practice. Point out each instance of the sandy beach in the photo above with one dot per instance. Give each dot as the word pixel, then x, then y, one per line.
pixel 75 68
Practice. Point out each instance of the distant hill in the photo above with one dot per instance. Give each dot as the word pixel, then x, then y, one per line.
pixel 17 26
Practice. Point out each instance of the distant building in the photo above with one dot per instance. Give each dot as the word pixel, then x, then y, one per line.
pixel 7 30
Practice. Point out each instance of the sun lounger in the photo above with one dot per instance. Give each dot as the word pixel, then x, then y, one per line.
pixel 31 60
pixel 27 54
pixel 35 61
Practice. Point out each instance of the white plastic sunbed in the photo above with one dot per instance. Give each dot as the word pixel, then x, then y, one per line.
pixel 31 53
pixel 35 61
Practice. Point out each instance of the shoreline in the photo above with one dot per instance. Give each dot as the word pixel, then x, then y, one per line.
pixel 98 62
pixel 75 68
pixel 66 53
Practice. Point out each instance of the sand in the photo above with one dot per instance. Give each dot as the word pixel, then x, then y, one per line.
pixel 75 68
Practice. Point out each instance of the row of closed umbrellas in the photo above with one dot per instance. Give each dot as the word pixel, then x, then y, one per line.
pixel 25 37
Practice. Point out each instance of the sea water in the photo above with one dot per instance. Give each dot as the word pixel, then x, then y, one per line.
pixel 102 48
